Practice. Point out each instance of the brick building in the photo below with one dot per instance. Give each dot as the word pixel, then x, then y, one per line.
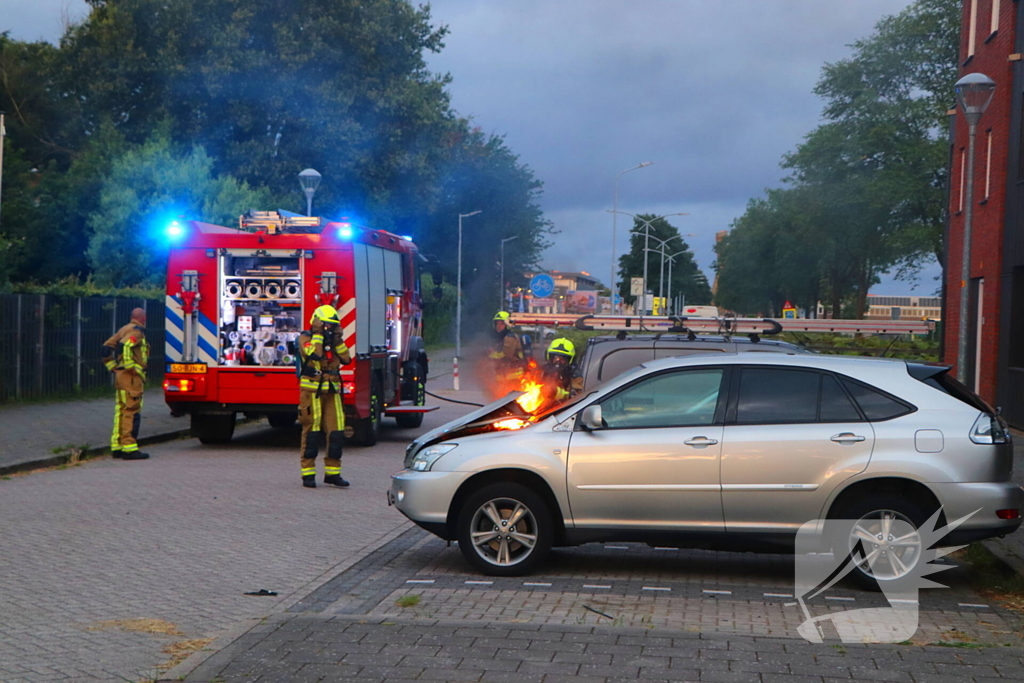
pixel 990 44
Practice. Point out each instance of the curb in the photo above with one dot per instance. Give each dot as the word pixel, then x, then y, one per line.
pixel 92 453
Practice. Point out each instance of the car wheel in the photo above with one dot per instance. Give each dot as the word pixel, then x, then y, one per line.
pixel 887 528
pixel 505 529
pixel 213 429
pixel 282 420
pixel 414 388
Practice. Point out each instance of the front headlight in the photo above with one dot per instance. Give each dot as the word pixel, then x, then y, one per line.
pixel 426 458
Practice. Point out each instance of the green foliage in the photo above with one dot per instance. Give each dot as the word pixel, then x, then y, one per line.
pixel 868 185
pixel 438 312
pixel 687 279
pixel 906 347
pixel 146 188
pixel 72 285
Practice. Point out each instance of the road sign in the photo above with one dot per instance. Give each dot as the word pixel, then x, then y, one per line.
pixel 542 303
pixel 636 286
pixel 542 285
pixel 788 311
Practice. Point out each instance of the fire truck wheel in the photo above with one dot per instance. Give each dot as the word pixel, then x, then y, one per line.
pixel 414 389
pixel 282 420
pixel 368 429
pixel 213 429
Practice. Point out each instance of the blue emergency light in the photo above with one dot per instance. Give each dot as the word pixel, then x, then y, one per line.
pixel 175 229
pixel 345 232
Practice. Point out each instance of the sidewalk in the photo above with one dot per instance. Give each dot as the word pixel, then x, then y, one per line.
pixel 37 435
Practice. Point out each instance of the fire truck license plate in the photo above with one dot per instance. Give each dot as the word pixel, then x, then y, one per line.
pixel 188 368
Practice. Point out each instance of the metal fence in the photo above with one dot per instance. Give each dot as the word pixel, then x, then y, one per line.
pixel 50 345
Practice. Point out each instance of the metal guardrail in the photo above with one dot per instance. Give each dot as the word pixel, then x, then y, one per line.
pixel 50 345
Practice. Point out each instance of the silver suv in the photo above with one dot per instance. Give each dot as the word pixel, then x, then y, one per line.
pixel 723 451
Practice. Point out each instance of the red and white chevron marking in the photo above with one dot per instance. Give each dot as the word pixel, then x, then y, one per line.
pixel 348 329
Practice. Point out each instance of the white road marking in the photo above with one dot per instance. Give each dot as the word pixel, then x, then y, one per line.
pixel 656 588
pixel 527 583
pixel 616 547
pixel 836 597
pixel 971 604
pixel 710 592
pixel 420 581
pixel 479 583
pixel 591 585
pixel 778 595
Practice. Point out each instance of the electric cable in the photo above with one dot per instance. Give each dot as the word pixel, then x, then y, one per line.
pixel 452 400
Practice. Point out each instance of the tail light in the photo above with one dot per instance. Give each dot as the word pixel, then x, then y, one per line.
pixel 1011 513
pixel 179 385
pixel 989 429
pixel 348 388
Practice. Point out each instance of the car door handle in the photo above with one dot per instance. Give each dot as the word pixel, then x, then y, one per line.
pixel 700 441
pixel 847 437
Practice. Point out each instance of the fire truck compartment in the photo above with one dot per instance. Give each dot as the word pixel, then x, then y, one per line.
pixel 277 386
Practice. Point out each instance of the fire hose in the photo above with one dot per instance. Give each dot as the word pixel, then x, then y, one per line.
pixel 452 400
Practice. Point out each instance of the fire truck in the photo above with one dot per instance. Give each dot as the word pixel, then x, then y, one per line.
pixel 238 298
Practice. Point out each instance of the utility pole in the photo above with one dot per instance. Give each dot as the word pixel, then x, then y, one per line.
pixel 3 134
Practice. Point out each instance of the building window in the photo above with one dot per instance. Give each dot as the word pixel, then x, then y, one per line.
pixel 963 175
pixel 973 28
pixel 994 26
pixel 988 165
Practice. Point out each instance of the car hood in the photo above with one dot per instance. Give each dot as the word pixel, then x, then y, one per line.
pixel 471 423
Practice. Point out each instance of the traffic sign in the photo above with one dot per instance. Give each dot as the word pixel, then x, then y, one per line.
pixel 542 285
pixel 636 286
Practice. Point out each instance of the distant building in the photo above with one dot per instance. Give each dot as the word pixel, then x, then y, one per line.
pixel 568 296
pixel 881 307
pixel 990 44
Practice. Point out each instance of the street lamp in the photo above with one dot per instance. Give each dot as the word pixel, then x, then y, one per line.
pixel 615 215
pixel 309 180
pixel 647 229
pixel 458 298
pixel 671 260
pixel 3 134
pixel 501 306
pixel 973 92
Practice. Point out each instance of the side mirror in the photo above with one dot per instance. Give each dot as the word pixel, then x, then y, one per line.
pixel 592 419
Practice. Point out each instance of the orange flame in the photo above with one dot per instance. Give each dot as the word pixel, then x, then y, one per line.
pixel 533 399
pixel 511 423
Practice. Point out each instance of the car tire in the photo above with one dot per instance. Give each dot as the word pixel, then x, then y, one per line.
pixel 367 430
pixel 509 556
pixel 870 514
pixel 414 388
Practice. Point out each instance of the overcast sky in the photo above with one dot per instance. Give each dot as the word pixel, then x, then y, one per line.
pixel 712 92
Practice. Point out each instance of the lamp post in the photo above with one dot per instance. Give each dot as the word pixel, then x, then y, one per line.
pixel 309 180
pixel 501 306
pixel 615 215
pixel 3 134
pixel 647 229
pixel 458 298
pixel 973 92
pixel 671 260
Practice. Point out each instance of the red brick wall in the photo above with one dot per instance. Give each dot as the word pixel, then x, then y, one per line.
pixel 990 58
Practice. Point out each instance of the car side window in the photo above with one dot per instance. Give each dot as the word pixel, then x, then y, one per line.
pixel 777 396
pixel 685 398
pixel 835 404
pixel 876 405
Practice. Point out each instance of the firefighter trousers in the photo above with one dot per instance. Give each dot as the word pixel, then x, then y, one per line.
pixel 127 404
pixel 322 419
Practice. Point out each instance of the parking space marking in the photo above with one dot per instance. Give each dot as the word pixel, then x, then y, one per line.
pixel 971 604
pixel 711 592
pixel 777 595
pixel 479 583
pixel 836 597
pixel 528 583
pixel 616 547
pixel 420 581
pixel 656 588
pixel 591 585
pixel 666 548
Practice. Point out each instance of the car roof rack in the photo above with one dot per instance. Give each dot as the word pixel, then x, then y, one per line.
pixel 724 326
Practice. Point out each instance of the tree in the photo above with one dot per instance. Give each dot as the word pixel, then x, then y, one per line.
pixel 146 189
pixel 687 279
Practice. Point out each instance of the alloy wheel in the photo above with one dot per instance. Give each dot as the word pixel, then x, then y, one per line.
pixel 503 532
pixel 891 545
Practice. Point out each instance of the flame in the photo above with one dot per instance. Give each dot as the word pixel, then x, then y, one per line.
pixel 511 423
pixel 533 399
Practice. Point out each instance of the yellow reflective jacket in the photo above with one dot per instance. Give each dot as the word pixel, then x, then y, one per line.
pixel 130 350
pixel 322 355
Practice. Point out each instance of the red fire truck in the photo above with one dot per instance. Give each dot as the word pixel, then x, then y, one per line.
pixel 238 297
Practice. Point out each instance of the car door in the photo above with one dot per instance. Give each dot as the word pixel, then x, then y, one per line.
pixel 655 463
pixel 791 436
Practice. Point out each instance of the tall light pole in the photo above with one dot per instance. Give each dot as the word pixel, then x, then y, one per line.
pixel 671 260
pixel 501 306
pixel 309 180
pixel 3 134
pixel 647 230
pixel 615 215
pixel 973 92
pixel 458 297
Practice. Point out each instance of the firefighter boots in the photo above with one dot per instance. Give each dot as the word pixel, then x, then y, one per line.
pixel 335 480
pixel 133 455
pixel 309 481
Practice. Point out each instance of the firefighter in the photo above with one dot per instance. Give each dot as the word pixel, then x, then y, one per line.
pixel 322 352
pixel 558 374
pixel 506 352
pixel 126 354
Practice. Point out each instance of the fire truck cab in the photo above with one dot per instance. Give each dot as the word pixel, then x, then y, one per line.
pixel 238 298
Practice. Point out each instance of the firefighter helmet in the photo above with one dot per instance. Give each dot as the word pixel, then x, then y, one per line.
pixel 326 314
pixel 503 316
pixel 562 347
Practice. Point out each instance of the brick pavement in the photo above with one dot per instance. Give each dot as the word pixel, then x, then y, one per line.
pixel 178 538
pixel 1011 548
pixel 31 431
pixel 307 648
